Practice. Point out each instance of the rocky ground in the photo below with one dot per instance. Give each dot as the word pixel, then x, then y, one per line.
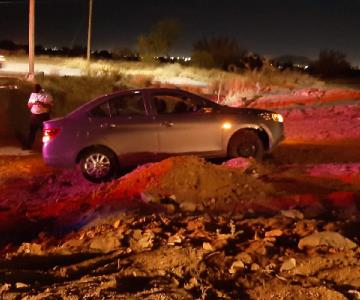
pixel 186 228
pixel 190 255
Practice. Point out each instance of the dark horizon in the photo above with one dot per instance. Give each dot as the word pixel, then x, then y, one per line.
pixel 271 28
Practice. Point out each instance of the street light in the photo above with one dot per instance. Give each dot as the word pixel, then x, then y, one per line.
pixel 88 54
pixel 31 75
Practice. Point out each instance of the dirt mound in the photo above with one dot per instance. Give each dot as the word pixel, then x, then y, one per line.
pixel 191 179
pixel 63 200
pixel 186 182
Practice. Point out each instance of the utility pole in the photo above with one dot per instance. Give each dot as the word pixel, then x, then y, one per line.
pixel 31 75
pixel 88 54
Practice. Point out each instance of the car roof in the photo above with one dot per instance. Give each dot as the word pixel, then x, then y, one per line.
pixel 151 89
pixel 92 103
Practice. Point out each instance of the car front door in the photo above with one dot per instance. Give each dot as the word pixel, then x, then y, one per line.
pixel 184 126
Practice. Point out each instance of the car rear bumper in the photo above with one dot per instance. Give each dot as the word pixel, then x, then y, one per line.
pixel 55 158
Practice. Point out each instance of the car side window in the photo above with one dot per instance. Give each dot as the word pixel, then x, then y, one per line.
pixel 125 105
pixel 101 111
pixel 174 104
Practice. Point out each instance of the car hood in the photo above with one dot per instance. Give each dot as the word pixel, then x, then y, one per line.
pixel 243 110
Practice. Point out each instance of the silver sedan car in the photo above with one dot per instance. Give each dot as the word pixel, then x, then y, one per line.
pixel 136 126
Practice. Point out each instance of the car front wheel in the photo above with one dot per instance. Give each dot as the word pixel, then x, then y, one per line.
pixel 246 143
pixel 98 165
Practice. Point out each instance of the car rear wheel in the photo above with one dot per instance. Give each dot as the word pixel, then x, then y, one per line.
pixel 246 143
pixel 99 165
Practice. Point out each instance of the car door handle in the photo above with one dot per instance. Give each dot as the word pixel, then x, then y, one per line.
pixel 167 124
pixel 107 125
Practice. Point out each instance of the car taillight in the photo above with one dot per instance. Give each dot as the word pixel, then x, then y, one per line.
pixel 49 134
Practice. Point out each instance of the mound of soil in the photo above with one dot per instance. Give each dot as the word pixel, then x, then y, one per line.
pixel 64 201
pixel 192 179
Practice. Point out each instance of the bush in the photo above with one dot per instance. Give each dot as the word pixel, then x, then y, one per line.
pixel 331 63
pixel 71 92
pixel 203 59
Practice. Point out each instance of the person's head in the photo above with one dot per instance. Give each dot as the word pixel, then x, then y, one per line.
pixel 37 88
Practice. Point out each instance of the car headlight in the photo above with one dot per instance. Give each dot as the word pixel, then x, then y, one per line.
pixel 268 116
pixel 2 58
pixel 277 117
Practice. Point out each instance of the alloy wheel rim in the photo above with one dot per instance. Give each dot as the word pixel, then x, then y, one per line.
pixel 97 165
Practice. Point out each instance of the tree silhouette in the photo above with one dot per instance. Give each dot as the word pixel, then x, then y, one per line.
pixel 331 63
pixel 160 39
pixel 219 51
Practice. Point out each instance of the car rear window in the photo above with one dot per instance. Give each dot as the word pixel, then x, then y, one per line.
pixel 101 110
pixel 123 105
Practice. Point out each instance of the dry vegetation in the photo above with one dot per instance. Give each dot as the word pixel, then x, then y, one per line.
pixel 267 77
pixel 107 76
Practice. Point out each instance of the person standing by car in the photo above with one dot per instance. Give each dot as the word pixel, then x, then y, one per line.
pixel 2 61
pixel 40 104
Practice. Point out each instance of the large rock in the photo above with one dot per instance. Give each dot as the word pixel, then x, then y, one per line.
pixel 105 244
pixel 293 214
pixel 327 238
pixel 288 265
pixel 142 240
pixel 30 249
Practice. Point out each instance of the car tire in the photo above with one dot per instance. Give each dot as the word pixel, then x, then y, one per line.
pixel 246 143
pixel 99 165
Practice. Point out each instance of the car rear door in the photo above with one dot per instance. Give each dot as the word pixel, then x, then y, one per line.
pixel 130 131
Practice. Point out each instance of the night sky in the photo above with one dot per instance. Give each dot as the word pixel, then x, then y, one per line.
pixel 270 27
